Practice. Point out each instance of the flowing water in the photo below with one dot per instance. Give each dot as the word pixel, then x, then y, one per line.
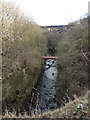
pixel 46 88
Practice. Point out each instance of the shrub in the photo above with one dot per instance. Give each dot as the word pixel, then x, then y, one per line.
pixel 23 43
pixel 72 65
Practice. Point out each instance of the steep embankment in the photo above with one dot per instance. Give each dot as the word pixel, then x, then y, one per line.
pixel 72 82
pixel 23 44
pixel 73 63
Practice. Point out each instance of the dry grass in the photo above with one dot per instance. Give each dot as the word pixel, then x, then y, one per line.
pixel 34 114
pixel 70 109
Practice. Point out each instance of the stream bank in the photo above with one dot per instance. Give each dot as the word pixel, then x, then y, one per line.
pixel 44 95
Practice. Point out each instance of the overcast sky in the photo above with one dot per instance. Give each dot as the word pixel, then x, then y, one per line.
pixel 53 12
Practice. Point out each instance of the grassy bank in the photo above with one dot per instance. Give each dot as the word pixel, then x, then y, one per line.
pixel 70 110
pixel 23 43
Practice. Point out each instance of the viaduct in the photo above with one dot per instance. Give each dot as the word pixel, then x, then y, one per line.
pixel 56 28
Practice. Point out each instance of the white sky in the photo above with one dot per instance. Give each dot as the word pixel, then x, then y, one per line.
pixel 53 12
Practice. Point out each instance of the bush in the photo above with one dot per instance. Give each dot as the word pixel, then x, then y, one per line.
pixel 23 43
pixel 72 65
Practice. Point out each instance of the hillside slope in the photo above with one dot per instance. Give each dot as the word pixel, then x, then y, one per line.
pixel 23 43
pixel 73 62
pixel 70 110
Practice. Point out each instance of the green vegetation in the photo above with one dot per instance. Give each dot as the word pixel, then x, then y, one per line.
pixel 72 82
pixel 73 63
pixel 23 44
pixel 53 39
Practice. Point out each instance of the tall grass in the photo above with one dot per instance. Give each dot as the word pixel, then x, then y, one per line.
pixel 70 110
